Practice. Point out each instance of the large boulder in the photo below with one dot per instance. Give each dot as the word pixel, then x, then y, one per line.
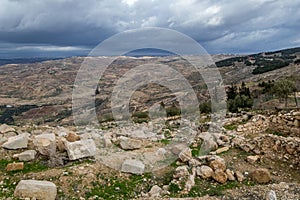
pixel 219 176
pixel 204 172
pixel 80 149
pixel 218 164
pixel 17 142
pixel 133 166
pixel 209 144
pixel 129 143
pixel 36 190
pixel 261 175
pixel 46 144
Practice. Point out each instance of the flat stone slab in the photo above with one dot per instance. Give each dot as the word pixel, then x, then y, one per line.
pixel 17 142
pixel 81 149
pixel 133 166
pixel 129 143
pixel 26 155
pixel 36 190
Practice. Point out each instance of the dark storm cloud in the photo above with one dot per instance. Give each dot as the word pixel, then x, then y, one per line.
pixel 220 26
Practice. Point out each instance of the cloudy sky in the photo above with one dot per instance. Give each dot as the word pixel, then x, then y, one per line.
pixel 74 27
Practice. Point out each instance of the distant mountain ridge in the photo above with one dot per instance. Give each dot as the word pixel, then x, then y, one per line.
pixel 266 61
pixel 25 60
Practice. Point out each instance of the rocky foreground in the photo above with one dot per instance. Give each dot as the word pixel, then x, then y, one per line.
pixel 246 156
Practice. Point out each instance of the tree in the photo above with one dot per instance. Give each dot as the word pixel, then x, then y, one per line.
pixel 232 92
pixel 283 88
pixel 238 99
pixel 243 90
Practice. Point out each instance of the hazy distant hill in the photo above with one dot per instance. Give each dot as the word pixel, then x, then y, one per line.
pixel 24 60
pixel 42 91
pixel 264 62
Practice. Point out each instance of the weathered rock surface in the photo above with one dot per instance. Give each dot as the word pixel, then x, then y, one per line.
pixel 17 142
pixel 181 171
pixel 26 155
pixel 36 190
pixel 218 164
pixel 271 195
pixel 129 143
pixel 230 175
pixel 261 175
pixel 72 137
pixel 252 159
pixel 45 144
pixel 15 166
pixel 222 150
pixel 133 166
pixel 4 128
pixel 219 176
pixel 80 149
pixel 155 191
pixel 239 176
pixel 204 172
pixel 185 155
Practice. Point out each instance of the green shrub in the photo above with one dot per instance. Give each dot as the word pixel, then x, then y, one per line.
pixel 205 107
pixel 173 111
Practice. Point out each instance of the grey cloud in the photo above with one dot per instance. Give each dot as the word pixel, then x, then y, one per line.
pixel 221 26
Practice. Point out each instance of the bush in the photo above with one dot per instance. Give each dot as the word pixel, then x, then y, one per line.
pixel 140 115
pixel 173 111
pixel 205 107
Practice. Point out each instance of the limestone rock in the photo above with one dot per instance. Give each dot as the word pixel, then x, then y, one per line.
pixel 15 166
pixel 218 164
pixel 133 166
pixel 221 150
pixel 209 144
pixel 4 128
pixel 17 142
pixel 261 175
pixel 80 149
pixel 60 144
pixel 72 137
pixel 189 183
pixel 230 175
pixel 129 143
pixel 36 190
pixel 155 191
pixel 26 155
pixel 185 155
pixel 252 159
pixel 239 176
pixel 46 144
pixel 271 195
pixel 181 171
pixel 204 172
pixel 219 176
pixel 107 142
pixel 177 148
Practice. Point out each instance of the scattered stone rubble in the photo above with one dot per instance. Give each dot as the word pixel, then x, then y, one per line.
pixel 55 142
pixel 273 147
pixel 257 124
pixel 287 124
